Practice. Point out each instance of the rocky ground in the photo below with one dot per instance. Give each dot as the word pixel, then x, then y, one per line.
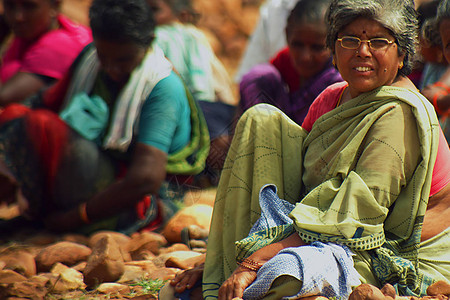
pixel 105 265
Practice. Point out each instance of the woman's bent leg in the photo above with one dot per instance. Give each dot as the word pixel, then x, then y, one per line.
pixel 266 148
pixel 263 84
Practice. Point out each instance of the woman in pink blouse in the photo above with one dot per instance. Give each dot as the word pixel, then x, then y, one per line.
pixel 43 46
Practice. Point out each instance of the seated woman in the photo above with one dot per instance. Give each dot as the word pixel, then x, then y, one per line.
pixel 299 72
pixel 109 135
pixel 431 52
pixel 192 56
pixel 438 91
pixel 44 45
pixel 365 201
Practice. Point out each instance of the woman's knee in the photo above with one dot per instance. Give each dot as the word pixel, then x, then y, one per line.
pixel 262 75
pixel 263 84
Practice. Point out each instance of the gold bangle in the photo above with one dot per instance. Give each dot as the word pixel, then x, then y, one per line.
pixel 83 213
pixel 250 264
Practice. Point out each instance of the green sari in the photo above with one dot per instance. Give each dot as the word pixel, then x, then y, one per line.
pixel 361 177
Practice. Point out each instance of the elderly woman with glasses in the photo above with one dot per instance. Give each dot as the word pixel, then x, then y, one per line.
pixel 365 179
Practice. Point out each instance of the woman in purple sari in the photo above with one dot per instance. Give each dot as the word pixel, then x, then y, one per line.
pixel 299 72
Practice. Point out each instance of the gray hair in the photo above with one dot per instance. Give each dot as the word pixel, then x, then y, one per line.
pixel 398 16
pixel 307 11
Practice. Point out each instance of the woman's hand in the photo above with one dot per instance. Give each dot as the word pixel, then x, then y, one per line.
pixel 235 285
pixel 242 277
pixel 187 279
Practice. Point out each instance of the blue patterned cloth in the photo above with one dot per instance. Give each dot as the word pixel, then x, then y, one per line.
pixel 324 268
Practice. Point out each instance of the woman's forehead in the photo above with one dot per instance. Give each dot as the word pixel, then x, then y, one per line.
pixel 365 26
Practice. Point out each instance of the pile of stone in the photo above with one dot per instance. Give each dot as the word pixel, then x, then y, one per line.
pixel 105 265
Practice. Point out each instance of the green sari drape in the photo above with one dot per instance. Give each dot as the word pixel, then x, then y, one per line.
pixel 361 177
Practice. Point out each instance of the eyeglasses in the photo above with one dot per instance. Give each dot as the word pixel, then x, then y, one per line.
pixel 351 42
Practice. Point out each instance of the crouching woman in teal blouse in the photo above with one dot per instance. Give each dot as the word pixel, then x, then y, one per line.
pixel 113 143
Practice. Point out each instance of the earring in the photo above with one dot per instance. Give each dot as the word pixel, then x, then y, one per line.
pixel 401 65
pixel 333 62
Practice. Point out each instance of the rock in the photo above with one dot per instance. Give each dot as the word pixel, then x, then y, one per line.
pixel 49 278
pixel 197 214
pixel 131 274
pixel 146 265
pixel 197 244
pixel 142 255
pixel 80 266
pixel 145 241
pixel 33 290
pixel 138 269
pixel 113 288
pixel 164 274
pixel 76 238
pixel 9 276
pixel 173 248
pixel 42 278
pixel 120 238
pixel 21 262
pixel 367 292
pixel 67 253
pixel 389 291
pixel 69 279
pixel 105 264
pixel 161 260
pixel 185 263
pixel 439 288
pixel 197 232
